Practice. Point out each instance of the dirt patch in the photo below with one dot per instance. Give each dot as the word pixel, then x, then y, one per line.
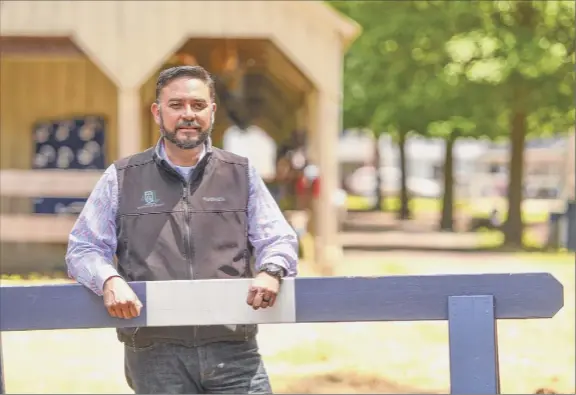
pixel 341 383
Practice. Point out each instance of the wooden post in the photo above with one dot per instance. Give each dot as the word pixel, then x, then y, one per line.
pixel 473 345
pixel 129 121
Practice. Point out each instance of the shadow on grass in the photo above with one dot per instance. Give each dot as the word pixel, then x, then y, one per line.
pixel 388 222
pixel 347 227
pixel 465 250
pixel 342 383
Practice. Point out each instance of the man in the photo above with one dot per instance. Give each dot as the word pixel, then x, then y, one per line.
pixel 183 210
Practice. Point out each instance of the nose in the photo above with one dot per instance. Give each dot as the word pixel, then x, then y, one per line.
pixel 188 113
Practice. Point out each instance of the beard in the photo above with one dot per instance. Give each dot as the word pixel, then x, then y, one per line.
pixel 186 142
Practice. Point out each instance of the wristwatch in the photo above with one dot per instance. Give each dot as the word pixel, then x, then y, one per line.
pixel 274 270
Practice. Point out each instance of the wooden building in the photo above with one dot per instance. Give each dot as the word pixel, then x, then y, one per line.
pixel 63 59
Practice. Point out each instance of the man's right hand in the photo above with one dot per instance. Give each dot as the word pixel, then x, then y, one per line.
pixel 120 299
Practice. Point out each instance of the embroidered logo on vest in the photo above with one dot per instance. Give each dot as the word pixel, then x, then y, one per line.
pixel 150 200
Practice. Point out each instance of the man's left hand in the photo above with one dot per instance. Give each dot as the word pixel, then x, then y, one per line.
pixel 263 291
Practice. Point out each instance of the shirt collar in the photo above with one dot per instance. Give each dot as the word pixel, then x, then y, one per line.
pixel 161 152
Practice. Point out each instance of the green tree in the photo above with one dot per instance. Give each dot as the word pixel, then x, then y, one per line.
pixel 395 78
pixel 459 115
pixel 523 51
pixel 364 99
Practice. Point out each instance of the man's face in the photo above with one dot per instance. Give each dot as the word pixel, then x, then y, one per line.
pixel 185 114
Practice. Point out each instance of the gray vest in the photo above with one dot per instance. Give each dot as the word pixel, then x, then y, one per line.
pixel 169 228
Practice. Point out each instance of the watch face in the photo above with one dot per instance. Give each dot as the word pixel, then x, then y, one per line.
pixel 274 270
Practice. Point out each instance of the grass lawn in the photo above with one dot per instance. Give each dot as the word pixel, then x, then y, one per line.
pixel 419 206
pixel 490 239
pixel 333 358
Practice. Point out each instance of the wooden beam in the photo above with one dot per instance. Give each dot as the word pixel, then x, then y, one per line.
pixel 284 70
pixel 301 300
pixel 35 228
pixel 48 183
pixel 35 46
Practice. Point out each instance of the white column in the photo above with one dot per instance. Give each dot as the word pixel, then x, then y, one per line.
pixel 129 121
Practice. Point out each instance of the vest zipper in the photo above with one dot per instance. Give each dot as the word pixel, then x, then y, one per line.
pixel 186 193
pixel 187 244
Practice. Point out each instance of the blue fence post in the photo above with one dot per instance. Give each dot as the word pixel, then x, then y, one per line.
pixel 467 301
pixel 473 345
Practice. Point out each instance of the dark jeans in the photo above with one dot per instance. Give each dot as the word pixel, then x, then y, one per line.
pixel 216 368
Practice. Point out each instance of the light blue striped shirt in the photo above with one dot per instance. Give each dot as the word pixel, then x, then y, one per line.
pixel 92 241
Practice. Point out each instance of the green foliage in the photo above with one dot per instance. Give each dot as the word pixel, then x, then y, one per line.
pixel 522 55
pixel 396 77
pixel 435 67
pixel 498 69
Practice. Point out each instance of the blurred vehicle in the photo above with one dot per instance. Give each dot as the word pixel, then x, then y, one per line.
pixel 362 182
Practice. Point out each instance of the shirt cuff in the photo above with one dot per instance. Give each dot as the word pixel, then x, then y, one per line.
pixel 279 261
pixel 102 274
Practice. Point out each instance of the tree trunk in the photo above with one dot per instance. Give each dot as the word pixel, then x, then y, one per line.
pixel 404 199
pixel 526 16
pixel 378 201
pixel 513 228
pixel 447 220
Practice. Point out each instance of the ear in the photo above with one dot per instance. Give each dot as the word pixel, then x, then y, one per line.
pixel 155 110
pixel 213 113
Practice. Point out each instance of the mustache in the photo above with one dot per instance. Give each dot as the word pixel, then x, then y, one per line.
pixel 188 124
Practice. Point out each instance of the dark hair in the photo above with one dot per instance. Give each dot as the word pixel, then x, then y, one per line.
pixel 172 73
